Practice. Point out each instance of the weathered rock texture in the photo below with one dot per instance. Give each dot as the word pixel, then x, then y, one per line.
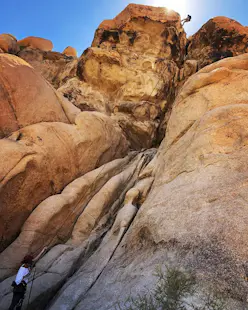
pixel 25 97
pixel 55 67
pixel 8 43
pixel 219 38
pixel 195 216
pixel 207 131
pixel 41 159
pixel 109 221
pixel 134 61
pixel 84 96
pixel 55 217
pixel 61 211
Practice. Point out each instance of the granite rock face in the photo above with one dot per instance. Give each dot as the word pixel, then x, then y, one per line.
pixel 195 215
pixel 25 98
pixel 41 159
pixel 55 67
pixel 109 216
pixel 219 38
pixel 134 60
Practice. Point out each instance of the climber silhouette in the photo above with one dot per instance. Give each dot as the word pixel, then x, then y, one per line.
pixel 21 280
pixel 186 20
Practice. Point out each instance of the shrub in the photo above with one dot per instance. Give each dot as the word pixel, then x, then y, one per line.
pixel 172 289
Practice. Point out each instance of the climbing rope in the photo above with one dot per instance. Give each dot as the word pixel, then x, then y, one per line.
pixel 31 287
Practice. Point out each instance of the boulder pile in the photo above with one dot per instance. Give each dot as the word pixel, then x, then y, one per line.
pixel 129 157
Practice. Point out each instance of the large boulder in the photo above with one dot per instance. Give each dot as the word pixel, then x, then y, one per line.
pixel 36 42
pixel 55 67
pixel 145 29
pixel 70 51
pixel 40 160
pixel 8 44
pixel 25 97
pixel 219 38
pixel 134 58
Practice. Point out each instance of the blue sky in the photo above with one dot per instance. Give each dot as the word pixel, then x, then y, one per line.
pixel 74 22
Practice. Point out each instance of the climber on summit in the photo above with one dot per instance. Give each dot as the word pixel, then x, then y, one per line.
pixel 21 280
pixel 186 20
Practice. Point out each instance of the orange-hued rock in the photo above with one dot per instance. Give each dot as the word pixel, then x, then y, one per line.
pixel 25 97
pixel 70 51
pixel 219 38
pixel 134 58
pixel 132 86
pixel 133 11
pixel 55 67
pixel 40 160
pixel 36 42
pixel 8 44
pixel 144 29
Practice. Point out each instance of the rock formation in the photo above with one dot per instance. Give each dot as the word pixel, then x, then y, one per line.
pixel 219 38
pixel 35 42
pixel 26 98
pixel 70 51
pixel 47 156
pixel 8 44
pixel 66 207
pixel 55 67
pixel 195 215
pixel 134 61
pixel 109 215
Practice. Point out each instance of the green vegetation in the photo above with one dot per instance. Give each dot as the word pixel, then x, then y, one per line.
pixel 22 47
pixel 172 291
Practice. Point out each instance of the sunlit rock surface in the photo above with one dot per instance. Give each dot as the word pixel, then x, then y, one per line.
pixel 8 43
pixel 25 98
pixel 219 38
pixel 134 59
pixel 55 67
pixel 108 215
pixel 35 42
pixel 70 51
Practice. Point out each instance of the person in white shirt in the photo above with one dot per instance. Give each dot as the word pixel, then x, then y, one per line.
pixel 21 280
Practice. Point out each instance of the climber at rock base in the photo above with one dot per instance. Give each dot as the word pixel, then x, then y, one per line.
pixel 186 20
pixel 21 280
